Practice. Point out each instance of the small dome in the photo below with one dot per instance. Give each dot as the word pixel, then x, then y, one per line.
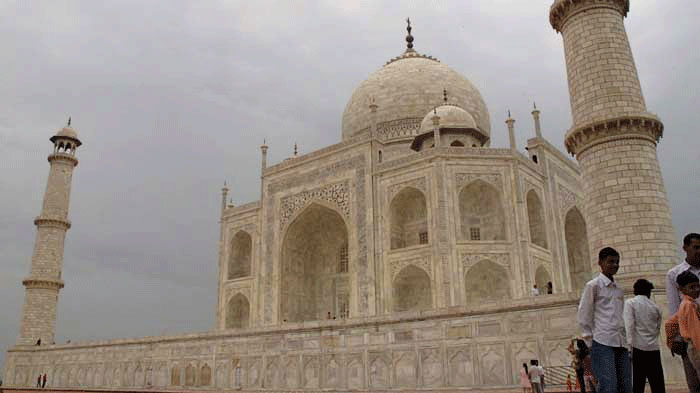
pixel 67 132
pixel 451 116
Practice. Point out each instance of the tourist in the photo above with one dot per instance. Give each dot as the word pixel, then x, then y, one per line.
pixel 43 381
pixel 38 381
pixel 535 291
pixel 535 377
pixel 579 351
pixel 600 319
pixel 691 246
pixel 642 326
pixel 525 379
pixel 550 288
pixel 688 318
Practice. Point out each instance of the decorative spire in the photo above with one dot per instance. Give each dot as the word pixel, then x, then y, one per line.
pixel 534 105
pixel 536 117
pixel 509 113
pixel 444 95
pixel 295 149
pixel 68 122
pixel 409 37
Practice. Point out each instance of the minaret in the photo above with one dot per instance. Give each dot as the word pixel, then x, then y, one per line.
pixel 614 140
pixel 536 117
pixel 511 132
pixel 44 281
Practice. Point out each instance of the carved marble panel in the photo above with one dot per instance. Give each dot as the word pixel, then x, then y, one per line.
pixel 312 371
pixel 406 367
pixel 379 371
pixel 461 366
pixel 396 265
pixel 523 352
pixel 557 353
pixel 462 179
pixel 567 199
pixel 272 372
pixel 337 194
pixel 333 371
pixel 418 183
pixel 492 363
pixel 431 367
pixel 355 371
pixel 470 259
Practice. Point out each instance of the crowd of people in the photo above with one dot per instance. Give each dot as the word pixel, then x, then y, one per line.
pixel 620 339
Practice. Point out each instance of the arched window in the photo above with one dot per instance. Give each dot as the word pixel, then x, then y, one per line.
pixel 457 144
pixel 343 259
pixel 310 283
pixel 535 218
pixel 577 249
pixel 240 255
pixel 412 290
pixel 486 281
pixel 237 312
pixel 409 219
pixel 205 375
pixel 481 212
pixel 189 375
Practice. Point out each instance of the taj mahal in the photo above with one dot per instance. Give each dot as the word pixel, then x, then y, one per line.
pixel 402 257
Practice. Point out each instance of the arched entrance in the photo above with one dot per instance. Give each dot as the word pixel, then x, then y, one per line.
pixel 412 290
pixel 312 282
pixel 481 212
pixel 409 219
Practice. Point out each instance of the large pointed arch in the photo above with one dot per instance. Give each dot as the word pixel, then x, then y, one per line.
pixel 412 290
pixel 577 249
pixel 542 278
pixel 536 220
pixel 408 219
pixel 237 312
pixel 310 279
pixel 481 212
pixel 240 255
pixel 486 281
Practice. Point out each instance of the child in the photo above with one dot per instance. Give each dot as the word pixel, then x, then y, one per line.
pixel 688 316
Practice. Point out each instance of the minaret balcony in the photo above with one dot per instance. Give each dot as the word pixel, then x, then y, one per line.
pixel 42 283
pixel 52 222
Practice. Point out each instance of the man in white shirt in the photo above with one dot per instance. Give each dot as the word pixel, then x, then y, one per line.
pixel 535 291
pixel 691 246
pixel 642 326
pixel 603 329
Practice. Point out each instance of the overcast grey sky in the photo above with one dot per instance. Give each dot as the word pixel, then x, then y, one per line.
pixel 171 98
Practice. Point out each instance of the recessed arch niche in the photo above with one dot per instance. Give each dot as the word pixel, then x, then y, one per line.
pixel 542 277
pixel 409 219
pixel 412 290
pixel 481 212
pixel 237 312
pixel 311 283
pixel 240 255
pixel 486 281
pixel 535 219
pixel 577 249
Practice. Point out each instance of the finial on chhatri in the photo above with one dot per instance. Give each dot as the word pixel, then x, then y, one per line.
pixel 534 105
pixel 509 113
pixel 409 37
pixel 444 95
pixel 68 122
pixel 295 149
pixel 224 183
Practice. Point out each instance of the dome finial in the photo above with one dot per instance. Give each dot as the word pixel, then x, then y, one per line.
pixel 409 37
pixel 295 149
pixel 444 95
pixel 68 121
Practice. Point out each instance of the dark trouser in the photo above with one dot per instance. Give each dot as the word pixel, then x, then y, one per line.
pixel 691 375
pixel 647 364
pixel 581 380
pixel 611 367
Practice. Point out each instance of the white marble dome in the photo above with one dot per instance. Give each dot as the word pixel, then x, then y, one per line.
pixel 451 116
pixel 407 88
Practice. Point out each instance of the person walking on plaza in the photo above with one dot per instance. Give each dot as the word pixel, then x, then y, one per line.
pixel 43 381
pixel 642 326
pixel 600 319
pixel 686 321
pixel 691 263
pixel 38 381
pixel 525 379
pixel 535 377
pixel 579 351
